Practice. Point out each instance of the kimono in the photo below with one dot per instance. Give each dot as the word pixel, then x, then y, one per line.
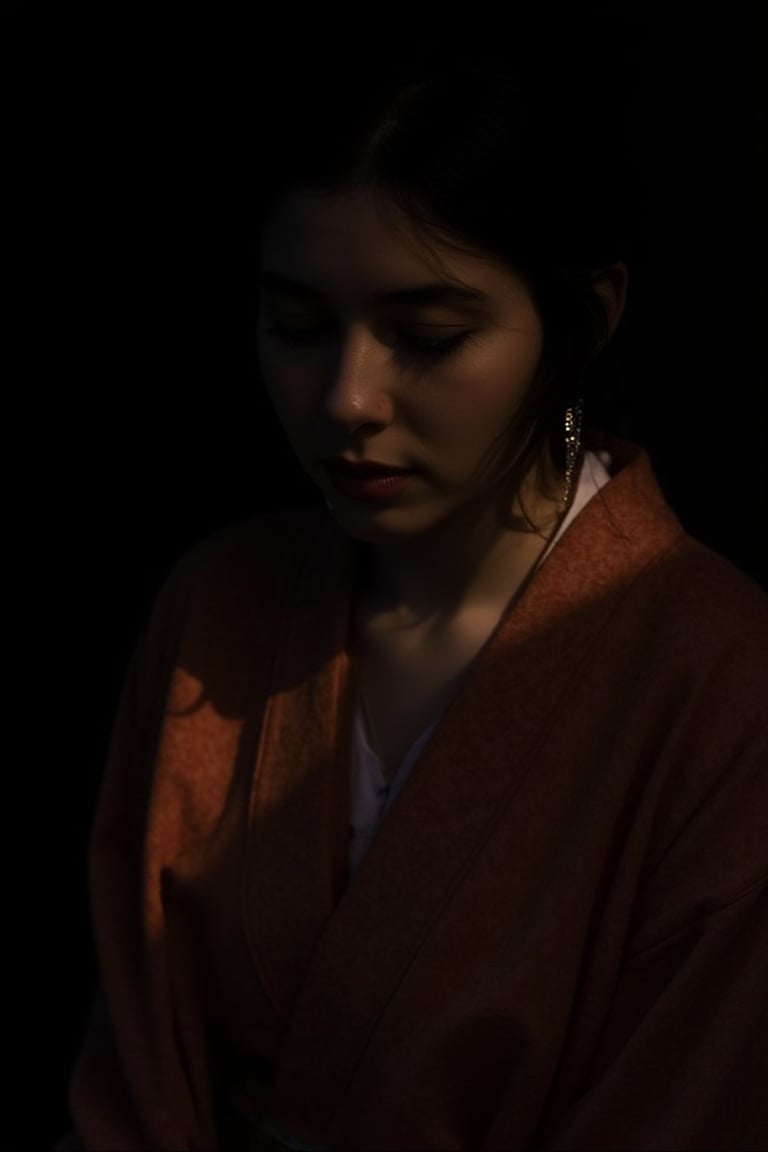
pixel 558 938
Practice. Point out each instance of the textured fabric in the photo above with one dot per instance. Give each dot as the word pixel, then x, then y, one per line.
pixel 558 939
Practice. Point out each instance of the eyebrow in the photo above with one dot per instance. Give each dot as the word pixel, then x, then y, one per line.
pixel 438 292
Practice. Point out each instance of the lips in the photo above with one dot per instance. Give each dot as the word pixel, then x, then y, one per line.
pixel 367 480
pixel 364 468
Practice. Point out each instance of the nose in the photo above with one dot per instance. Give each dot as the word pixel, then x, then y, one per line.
pixel 359 392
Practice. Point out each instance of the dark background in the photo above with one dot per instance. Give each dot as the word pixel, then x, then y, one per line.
pixel 134 423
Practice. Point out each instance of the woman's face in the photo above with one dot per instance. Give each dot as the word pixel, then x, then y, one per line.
pixel 379 350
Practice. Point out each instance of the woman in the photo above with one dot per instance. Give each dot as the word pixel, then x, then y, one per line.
pixel 434 812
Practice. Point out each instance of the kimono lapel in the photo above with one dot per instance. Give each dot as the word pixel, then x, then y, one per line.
pixel 298 819
pixel 464 782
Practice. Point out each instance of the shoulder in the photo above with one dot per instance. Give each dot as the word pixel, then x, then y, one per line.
pixel 249 554
pixel 699 629
pixel 711 626
pixel 705 612
pixel 221 608
pixel 267 538
pixel 239 573
pixel 687 652
pixel 684 593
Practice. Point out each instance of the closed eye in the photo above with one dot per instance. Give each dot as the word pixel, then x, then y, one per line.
pixel 433 341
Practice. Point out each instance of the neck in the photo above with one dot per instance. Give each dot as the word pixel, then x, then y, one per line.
pixel 475 563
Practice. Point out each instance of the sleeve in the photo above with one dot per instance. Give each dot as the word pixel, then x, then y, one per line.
pixel 679 1055
pixel 683 1060
pixel 131 1087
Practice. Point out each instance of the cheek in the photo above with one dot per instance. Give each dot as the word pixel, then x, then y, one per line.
pixel 485 389
pixel 290 386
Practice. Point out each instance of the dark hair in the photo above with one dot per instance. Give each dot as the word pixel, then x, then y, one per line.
pixel 526 162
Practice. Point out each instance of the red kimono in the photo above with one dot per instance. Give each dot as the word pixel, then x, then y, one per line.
pixel 559 936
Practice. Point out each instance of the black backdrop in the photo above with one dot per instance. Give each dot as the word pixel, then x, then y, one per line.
pixel 134 422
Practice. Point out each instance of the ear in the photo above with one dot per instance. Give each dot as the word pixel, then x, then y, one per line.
pixel 610 284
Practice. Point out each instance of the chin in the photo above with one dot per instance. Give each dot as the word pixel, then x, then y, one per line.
pixel 380 525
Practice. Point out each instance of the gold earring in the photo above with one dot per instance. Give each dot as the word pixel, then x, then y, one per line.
pixel 573 420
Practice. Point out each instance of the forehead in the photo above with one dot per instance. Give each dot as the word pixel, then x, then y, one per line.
pixel 352 245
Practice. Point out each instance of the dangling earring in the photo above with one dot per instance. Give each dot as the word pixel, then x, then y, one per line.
pixel 573 419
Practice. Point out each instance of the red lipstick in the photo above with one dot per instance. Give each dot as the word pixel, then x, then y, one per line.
pixel 367 479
